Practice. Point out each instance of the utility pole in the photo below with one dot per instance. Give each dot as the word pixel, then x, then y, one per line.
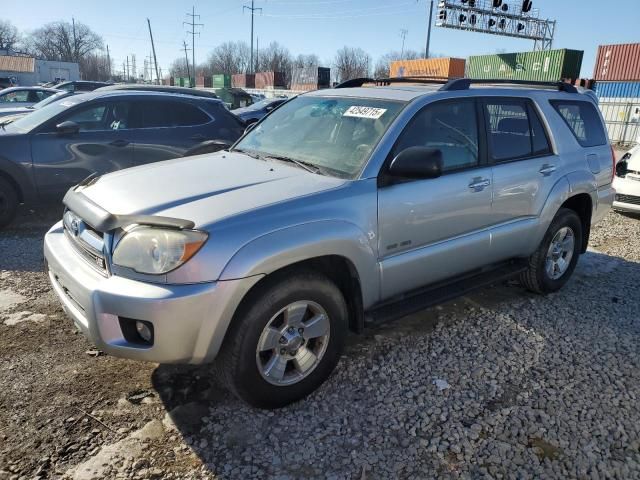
pixel 193 33
pixel 124 71
pixel 108 63
pixel 153 47
pixel 75 40
pixel 128 77
pixel 134 71
pixel 253 10
pixel 257 52
pixel 403 35
pixel 186 58
pixel 426 53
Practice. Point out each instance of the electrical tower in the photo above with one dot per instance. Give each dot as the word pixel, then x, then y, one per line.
pixel 253 9
pixel 403 35
pixel 186 59
pixel 193 33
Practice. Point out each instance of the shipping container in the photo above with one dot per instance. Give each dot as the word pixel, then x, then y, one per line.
pixel 310 78
pixel 544 66
pixel 428 67
pixel 204 82
pixel 222 81
pixel 267 80
pixel 616 63
pixel 243 80
pixel 618 89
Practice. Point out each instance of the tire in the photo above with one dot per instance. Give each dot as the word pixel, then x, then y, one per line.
pixel 537 278
pixel 242 368
pixel 8 202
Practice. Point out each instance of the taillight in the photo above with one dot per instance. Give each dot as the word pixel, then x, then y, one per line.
pixel 613 165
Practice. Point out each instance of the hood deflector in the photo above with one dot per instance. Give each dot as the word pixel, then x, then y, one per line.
pixel 104 221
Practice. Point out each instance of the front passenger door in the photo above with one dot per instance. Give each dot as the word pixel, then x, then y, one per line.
pixel 434 229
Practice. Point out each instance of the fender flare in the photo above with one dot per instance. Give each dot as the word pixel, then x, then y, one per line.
pixel 281 248
pixel 18 175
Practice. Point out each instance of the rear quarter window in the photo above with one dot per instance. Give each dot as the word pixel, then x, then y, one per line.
pixel 583 121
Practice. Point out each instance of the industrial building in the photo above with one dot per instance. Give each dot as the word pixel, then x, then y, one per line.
pixel 28 71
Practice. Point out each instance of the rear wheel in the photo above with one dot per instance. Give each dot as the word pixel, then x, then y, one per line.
pixel 8 202
pixel 551 266
pixel 285 341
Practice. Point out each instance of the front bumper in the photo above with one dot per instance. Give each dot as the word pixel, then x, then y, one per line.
pixel 627 194
pixel 189 321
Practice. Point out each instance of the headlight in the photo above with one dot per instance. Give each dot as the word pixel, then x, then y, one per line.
pixel 157 250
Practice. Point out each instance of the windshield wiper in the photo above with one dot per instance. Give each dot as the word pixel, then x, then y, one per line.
pixel 310 167
pixel 250 153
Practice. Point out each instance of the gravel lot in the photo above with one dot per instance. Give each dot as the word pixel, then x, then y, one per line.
pixel 499 384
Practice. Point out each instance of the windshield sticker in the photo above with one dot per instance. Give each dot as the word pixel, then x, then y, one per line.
pixel 364 112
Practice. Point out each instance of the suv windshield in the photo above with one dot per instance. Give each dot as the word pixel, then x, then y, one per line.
pixel 335 134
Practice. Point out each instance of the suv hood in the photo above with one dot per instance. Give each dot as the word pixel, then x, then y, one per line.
pixel 205 188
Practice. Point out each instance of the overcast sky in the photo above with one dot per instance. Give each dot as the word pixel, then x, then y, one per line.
pixel 320 26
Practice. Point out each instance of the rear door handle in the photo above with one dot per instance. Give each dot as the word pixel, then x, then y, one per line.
pixel 119 143
pixel 547 169
pixel 478 184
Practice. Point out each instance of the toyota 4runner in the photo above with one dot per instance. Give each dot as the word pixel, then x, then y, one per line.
pixel 361 202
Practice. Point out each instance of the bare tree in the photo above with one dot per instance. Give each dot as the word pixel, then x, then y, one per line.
pixel 304 61
pixel 59 41
pixel 9 36
pixel 178 68
pixel 95 66
pixel 229 58
pixel 351 63
pixel 384 62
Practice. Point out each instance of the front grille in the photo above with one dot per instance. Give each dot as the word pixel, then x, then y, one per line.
pixel 632 199
pixel 89 243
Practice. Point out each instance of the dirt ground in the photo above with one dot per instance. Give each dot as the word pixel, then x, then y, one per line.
pixel 62 403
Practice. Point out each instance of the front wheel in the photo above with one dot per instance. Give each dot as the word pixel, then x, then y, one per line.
pixel 551 266
pixel 285 340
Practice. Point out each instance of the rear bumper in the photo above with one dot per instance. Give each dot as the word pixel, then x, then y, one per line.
pixel 604 200
pixel 189 321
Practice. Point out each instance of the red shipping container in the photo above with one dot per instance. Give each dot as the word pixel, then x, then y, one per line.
pixel 618 63
pixel 243 80
pixel 270 80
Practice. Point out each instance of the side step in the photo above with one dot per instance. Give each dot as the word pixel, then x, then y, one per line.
pixel 442 292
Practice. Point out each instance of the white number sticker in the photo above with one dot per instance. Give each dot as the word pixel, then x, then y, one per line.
pixel 364 112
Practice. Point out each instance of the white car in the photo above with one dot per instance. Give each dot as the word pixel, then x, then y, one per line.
pixel 627 182
pixel 24 96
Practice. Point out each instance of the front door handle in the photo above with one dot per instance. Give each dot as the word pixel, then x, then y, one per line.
pixel 547 169
pixel 478 184
pixel 119 143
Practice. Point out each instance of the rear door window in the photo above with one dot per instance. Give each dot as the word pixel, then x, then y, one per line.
pixel 515 130
pixel 165 114
pixel 583 121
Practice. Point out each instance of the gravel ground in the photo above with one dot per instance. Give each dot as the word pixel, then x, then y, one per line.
pixel 498 384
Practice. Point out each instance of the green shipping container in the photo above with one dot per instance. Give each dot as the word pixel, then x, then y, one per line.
pixel 543 66
pixel 221 81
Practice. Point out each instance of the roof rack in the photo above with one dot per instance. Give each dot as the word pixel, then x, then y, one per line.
pixel 454 84
pixel 465 84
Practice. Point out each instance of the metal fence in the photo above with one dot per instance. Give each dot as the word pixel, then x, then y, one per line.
pixel 622 117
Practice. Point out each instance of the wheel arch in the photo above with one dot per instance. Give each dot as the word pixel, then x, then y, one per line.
pixel 582 204
pixel 18 178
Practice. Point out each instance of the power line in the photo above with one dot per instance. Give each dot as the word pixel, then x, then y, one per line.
pixel 253 9
pixel 193 33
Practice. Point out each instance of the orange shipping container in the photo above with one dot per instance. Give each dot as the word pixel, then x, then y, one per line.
pixel 618 63
pixel 428 67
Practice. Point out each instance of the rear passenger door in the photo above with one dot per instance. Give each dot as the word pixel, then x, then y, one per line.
pixel 524 170
pixel 165 129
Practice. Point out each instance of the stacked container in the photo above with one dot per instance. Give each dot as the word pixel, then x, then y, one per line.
pixel 310 78
pixel 243 80
pixel 543 66
pixel 617 75
pixel 428 67
pixel 222 81
pixel 270 80
pixel 204 82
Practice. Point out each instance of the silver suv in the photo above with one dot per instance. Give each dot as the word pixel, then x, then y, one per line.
pixel 362 202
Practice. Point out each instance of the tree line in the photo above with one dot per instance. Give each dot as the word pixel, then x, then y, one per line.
pixel 64 41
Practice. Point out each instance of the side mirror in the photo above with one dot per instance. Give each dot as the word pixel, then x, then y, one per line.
pixel 417 163
pixel 67 128
pixel 250 127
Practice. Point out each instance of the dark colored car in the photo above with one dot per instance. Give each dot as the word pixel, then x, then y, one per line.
pixel 159 88
pixel 255 112
pixel 46 152
pixel 80 86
